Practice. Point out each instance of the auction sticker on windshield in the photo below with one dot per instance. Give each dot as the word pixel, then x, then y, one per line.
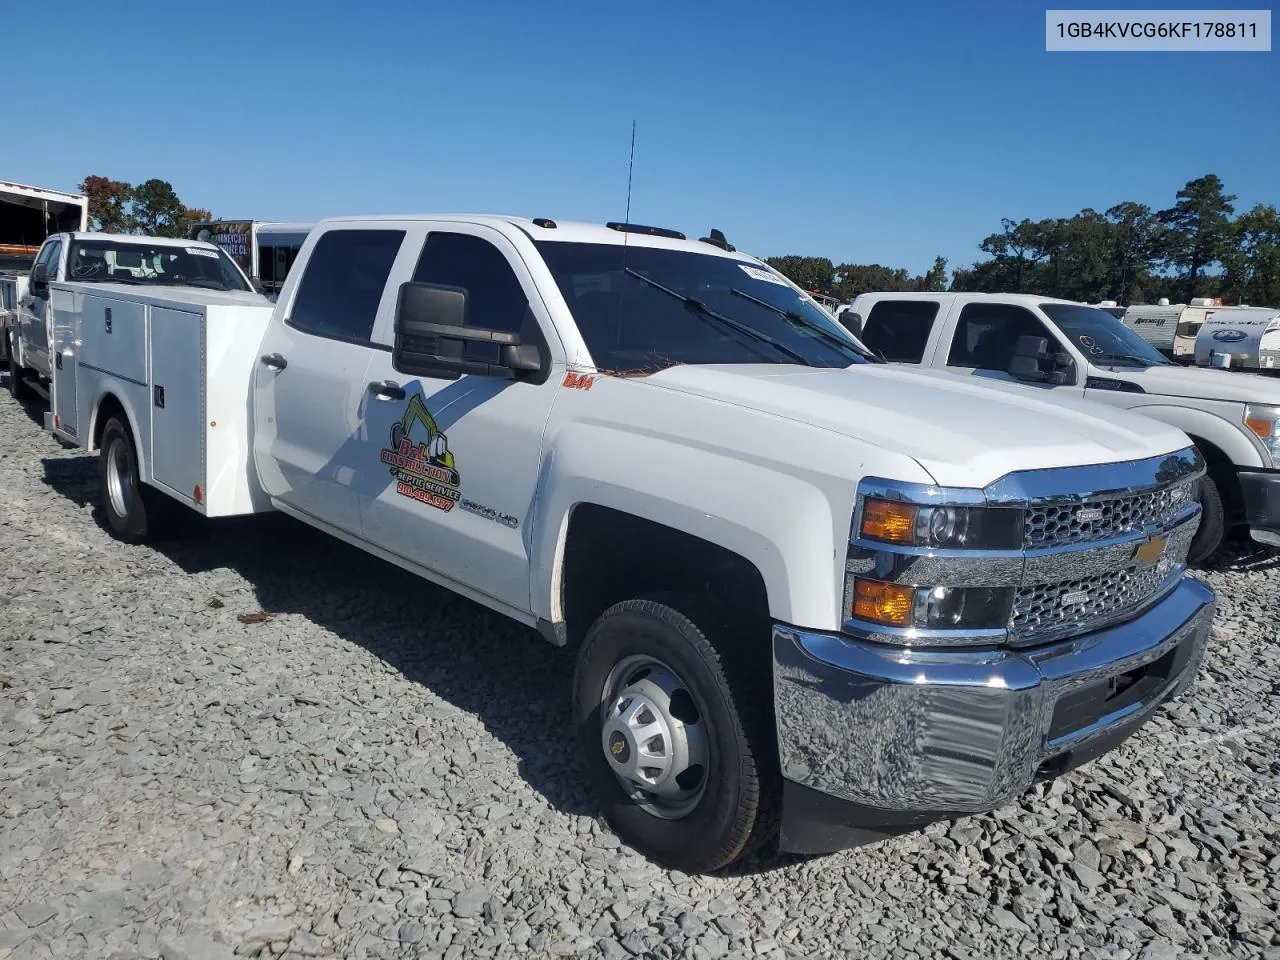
pixel 201 252
pixel 760 274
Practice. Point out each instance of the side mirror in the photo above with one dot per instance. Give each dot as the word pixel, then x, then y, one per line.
pixel 851 321
pixel 1033 363
pixel 256 284
pixel 40 280
pixel 431 329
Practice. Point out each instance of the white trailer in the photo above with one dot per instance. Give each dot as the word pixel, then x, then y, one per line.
pixel 1241 338
pixel 264 249
pixel 28 215
pixel 178 365
pixel 1171 327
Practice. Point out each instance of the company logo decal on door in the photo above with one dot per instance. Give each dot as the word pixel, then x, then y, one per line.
pixel 424 470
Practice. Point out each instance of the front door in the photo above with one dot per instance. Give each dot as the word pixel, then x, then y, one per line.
pixel 310 384
pixel 458 459
pixel 35 310
pixel 986 335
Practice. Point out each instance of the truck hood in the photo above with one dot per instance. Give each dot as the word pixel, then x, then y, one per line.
pixel 1201 383
pixel 964 433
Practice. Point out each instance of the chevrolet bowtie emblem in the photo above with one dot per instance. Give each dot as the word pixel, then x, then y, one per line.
pixel 1150 551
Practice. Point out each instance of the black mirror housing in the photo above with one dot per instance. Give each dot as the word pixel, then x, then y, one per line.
pixel 1034 363
pixel 40 279
pixel 431 328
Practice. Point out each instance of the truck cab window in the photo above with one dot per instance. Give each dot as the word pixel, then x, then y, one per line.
pixel 495 299
pixel 899 329
pixel 987 334
pixel 345 276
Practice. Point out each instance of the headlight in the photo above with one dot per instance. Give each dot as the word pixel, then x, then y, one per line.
pixel 1264 423
pixel 930 608
pixel 970 528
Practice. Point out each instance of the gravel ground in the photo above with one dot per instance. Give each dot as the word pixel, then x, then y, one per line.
pixel 262 742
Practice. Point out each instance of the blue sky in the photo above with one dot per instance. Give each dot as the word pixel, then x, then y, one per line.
pixel 867 134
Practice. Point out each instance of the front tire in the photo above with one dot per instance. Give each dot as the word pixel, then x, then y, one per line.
pixel 1213 524
pixel 134 513
pixel 674 737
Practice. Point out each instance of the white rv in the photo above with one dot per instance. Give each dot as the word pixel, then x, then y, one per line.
pixel 1171 328
pixel 1241 338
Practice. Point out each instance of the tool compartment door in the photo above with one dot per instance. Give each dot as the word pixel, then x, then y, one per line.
pixel 113 334
pixel 177 402
pixel 66 308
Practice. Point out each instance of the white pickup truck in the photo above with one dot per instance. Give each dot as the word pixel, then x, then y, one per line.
pixel 1072 350
pixel 99 258
pixel 815 599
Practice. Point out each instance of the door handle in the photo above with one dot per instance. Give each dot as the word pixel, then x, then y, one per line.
pixel 386 390
pixel 274 360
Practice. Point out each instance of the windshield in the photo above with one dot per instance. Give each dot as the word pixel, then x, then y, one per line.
pixel 644 309
pixel 115 261
pixel 1102 338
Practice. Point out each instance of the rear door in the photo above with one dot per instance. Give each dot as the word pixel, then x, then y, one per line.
pixel 310 384
pixel 900 330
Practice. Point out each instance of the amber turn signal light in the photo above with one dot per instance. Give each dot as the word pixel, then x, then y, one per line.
pixel 880 602
pixel 1260 427
pixel 888 520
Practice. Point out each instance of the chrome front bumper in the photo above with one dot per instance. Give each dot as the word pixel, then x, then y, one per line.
pixel 921 734
pixel 1262 505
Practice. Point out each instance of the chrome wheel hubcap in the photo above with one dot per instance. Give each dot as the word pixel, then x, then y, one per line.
pixel 654 737
pixel 119 479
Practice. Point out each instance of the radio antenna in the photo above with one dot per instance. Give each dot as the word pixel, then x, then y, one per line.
pixel 626 222
pixel 630 166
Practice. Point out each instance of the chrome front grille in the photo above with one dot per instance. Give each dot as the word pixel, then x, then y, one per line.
pixel 1046 611
pixel 1062 524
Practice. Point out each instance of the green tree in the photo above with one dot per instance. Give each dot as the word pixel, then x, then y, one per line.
pixel 1251 259
pixel 189 216
pixel 155 209
pixel 811 273
pixel 1196 230
pixel 1133 245
pixel 936 278
pixel 108 200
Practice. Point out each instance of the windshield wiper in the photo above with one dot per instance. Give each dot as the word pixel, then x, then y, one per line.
pixel 1112 357
pixel 202 282
pixel 800 323
pixel 698 308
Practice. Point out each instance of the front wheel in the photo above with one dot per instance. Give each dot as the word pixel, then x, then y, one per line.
pixel 675 743
pixel 1213 524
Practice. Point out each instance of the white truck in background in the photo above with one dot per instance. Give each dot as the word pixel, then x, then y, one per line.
pixel 1073 350
pixel 121 259
pixel 815 599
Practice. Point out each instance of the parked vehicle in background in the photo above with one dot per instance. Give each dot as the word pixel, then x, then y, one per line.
pixel 815 598
pixel 121 259
pixel 13 288
pixel 28 215
pixel 1241 338
pixel 264 249
pixel 1171 328
pixel 1073 350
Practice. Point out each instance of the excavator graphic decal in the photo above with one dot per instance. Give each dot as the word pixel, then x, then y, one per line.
pixel 424 471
